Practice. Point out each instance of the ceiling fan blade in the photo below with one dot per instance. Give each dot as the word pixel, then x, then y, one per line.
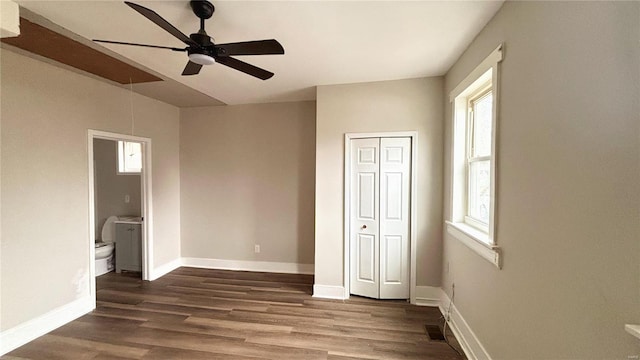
pixel 158 20
pixel 134 44
pixel 244 67
pixel 191 68
pixel 259 47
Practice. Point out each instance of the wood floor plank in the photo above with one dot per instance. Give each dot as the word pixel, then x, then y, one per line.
pixel 191 310
pixel 218 331
pixel 221 304
pixel 90 327
pixel 239 325
pixel 360 332
pixel 137 314
pixel 237 315
pixel 280 319
pixel 61 347
pixel 310 312
pixel 139 307
pixel 317 342
pixel 105 349
pixel 220 345
pixel 164 353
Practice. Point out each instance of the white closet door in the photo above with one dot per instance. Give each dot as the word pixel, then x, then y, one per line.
pixel 395 174
pixel 365 207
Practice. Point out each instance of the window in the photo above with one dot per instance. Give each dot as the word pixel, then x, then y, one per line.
pixel 478 161
pixel 473 197
pixel 129 157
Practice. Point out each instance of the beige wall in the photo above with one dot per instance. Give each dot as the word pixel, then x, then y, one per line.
pixel 568 185
pixel 402 105
pixel 46 112
pixel 247 175
pixel 112 188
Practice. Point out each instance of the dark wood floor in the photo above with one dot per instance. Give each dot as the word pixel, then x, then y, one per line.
pixel 215 314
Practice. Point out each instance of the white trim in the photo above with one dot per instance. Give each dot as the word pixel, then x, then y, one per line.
pixel 147 204
pixel 475 240
pixel 486 64
pixel 163 270
pixel 243 265
pixel 428 296
pixel 19 335
pixel 414 215
pixel 389 134
pixel 468 340
pixel 633 330
pixel 330 292
pixel 486 71
pixel 413 233
pixel 92 221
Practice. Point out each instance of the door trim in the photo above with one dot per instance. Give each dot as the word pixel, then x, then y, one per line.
pixel 347 204
pixel 147 213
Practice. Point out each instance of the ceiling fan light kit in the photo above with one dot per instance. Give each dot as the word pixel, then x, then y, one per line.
pixel 202 50
pixel 201 59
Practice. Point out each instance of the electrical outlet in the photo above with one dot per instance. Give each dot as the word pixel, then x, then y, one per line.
pixel 127 198
pixel 256 248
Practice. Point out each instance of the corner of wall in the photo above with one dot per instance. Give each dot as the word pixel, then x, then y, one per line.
pixel 164 269
pixel 468 340
pixel 329 292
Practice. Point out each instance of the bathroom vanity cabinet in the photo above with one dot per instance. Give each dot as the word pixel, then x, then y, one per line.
pixel 128 246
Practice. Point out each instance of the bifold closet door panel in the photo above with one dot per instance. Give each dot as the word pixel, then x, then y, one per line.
pixel 364 215
pixel 395 175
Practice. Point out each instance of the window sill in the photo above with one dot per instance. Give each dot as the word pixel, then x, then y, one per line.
pixel 633 330
pixel 476 241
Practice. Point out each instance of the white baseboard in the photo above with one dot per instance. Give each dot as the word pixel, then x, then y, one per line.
pixel 328 292
pixel 468 340
pixel 19 335
pixel 428 296
pixel 163 270
pixel 262 266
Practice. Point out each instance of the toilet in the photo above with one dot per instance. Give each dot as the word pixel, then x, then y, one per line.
pixel 105 247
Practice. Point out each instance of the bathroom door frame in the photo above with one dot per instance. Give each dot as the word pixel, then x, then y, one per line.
pixel 147 213
pixel 413 198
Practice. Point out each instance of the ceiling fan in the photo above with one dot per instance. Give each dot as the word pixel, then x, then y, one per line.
pixel 201 48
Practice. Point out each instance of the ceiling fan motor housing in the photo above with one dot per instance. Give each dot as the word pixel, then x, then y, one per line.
pixel 202 39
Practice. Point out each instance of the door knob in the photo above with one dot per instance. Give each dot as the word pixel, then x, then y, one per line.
pixel 364 227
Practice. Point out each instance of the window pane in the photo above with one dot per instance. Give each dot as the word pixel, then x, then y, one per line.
pixel 121 167
pixel 482 125
pixel 133 156
pixel 479 190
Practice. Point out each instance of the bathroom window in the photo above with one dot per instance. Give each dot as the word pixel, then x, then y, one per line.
pixel 129 157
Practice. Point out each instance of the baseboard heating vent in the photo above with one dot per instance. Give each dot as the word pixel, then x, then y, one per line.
pixel 434 333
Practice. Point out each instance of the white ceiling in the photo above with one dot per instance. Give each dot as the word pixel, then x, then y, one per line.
pixel 326 42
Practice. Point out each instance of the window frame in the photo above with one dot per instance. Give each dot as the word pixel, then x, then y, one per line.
pixel 473 233
pixel 121 163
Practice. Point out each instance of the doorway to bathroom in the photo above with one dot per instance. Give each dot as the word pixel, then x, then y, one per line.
pixel 119 205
